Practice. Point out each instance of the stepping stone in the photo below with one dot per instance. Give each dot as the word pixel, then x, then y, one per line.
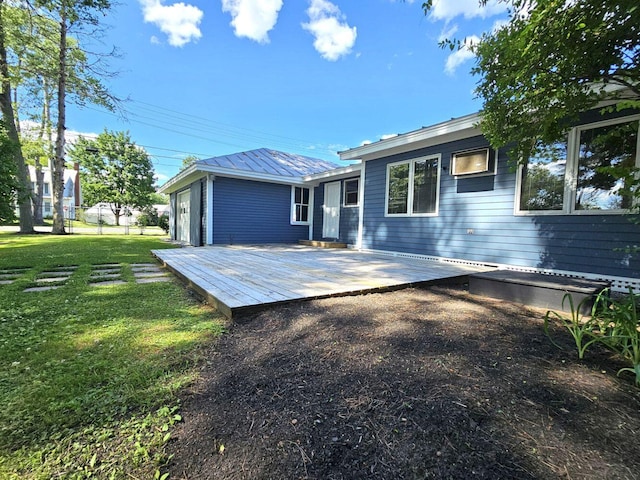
pixel 51 279
pixel 149 274
pixel 66 268
pixel 9 276
pixel 54 274
pixel 141 265
pixel 102 266
pixel 110 282
pixel 93 278
pixel 41 289
pixel 152 279
pixel 6 282
pixel 16 271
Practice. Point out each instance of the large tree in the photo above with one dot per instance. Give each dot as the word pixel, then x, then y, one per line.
pixel 551 61
pixel 7 176
pixel 6 108
pixel 114 170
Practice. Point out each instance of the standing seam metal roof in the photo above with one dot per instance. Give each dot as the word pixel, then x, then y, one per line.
pixel 272 162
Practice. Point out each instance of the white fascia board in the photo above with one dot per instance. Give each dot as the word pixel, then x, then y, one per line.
pixel 449 131
pixel 336 173
pixel 182 179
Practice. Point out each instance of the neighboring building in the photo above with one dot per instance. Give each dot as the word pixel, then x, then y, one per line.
pixel 71 198
pixel 438 192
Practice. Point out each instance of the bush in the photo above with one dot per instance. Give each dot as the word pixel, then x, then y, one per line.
pixel 163 222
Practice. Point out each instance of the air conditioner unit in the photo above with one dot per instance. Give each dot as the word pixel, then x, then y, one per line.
pixel 470 162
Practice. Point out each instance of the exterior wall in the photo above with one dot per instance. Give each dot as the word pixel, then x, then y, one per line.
pixel 173 198
pixel 348 215
pixel 476 222
pixel 247 212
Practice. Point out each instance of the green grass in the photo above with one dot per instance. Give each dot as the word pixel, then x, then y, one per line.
pixel 89 376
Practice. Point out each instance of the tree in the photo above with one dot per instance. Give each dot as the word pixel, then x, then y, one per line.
pixel 114 170
pixel 15 152
pixel 553 60
pixel 7 177
pixel 188 161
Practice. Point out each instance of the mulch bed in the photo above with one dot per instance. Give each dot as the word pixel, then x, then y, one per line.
pixel 420 383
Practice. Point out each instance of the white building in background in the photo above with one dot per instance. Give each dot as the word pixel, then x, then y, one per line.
pixel 72 194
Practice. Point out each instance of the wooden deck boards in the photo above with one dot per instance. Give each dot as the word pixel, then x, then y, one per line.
pixel 234 278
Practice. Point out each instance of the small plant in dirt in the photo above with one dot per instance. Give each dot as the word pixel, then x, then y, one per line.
pixel 614 323
pixel 582 327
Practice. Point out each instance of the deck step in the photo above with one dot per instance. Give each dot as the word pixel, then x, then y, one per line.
pixel 322 244
pixel 537 289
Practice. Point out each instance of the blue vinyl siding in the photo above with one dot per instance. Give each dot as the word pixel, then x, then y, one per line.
pixel 485 205
pixel 348 215
pixel 247 212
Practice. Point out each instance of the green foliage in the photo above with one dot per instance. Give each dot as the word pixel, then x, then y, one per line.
pixel 188 161
pixel 580 326
pixel 614 323
pixel 163 222
pixel 90 374
pixel 7 178
pixel 114 170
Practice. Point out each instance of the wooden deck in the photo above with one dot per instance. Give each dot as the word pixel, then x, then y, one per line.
pixel 236 278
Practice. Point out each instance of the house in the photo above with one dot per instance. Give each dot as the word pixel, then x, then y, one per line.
pixel 440 192
pixel 71 197
pixel 259 196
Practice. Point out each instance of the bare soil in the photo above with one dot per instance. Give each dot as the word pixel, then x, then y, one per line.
pixel 413 384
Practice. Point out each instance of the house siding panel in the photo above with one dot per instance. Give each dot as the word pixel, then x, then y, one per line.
pixel 253 212
pixel 476 222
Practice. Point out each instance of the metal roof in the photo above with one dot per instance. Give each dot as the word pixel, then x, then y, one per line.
pixel 270 162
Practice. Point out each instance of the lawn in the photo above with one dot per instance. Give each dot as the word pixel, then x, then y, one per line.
pixel 90 375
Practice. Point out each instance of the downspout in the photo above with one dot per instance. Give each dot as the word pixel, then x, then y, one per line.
pixel 361 206
pixel 210 179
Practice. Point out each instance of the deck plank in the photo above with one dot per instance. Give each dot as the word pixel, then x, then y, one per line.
pixel 239 277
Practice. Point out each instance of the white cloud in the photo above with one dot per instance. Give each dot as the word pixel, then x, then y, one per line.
pixel 333 35
pixel 458 57
pixel 253 18
pixel 449 9
pixel 448 33
pixel 179 21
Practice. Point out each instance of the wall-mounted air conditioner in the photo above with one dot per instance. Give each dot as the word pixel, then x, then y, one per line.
pixel 471 162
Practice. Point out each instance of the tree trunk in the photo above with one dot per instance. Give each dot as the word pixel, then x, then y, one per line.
pixel 57 172
pixel 24 192
pixel 38 194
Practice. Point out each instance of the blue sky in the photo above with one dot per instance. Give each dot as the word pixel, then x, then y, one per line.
pixel 311 77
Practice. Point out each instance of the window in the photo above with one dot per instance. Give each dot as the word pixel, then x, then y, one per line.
pixel 589 173
pixel 300 205
pixel 351 188
pixel 413 186
pixel 45 187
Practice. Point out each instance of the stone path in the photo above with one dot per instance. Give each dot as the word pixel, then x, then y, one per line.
pixel 100 275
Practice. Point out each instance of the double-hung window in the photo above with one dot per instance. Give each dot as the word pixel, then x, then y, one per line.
pixel 300 199
pixel 413 187
pixel 591 172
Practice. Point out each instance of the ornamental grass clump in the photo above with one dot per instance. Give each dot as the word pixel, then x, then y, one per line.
pixel 614 323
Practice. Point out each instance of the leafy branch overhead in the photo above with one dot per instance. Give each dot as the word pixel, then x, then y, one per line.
pixel 550 62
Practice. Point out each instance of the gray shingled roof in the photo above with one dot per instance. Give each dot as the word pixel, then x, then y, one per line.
pixel 272 162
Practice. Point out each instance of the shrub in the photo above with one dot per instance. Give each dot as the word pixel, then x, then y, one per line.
pixel 163 222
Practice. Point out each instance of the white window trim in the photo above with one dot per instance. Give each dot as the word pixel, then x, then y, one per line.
pixel 571 171
pixel 411 163
pixel 293 205
pixel 344 193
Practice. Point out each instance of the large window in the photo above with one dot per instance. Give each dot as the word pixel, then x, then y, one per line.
pixel 590 172
pixel 300 205
pixel 412 187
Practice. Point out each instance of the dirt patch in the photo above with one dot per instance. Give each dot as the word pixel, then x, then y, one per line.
pixel 410 384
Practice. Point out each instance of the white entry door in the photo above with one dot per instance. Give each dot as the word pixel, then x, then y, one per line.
pixel 184 218
pixel 331 211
